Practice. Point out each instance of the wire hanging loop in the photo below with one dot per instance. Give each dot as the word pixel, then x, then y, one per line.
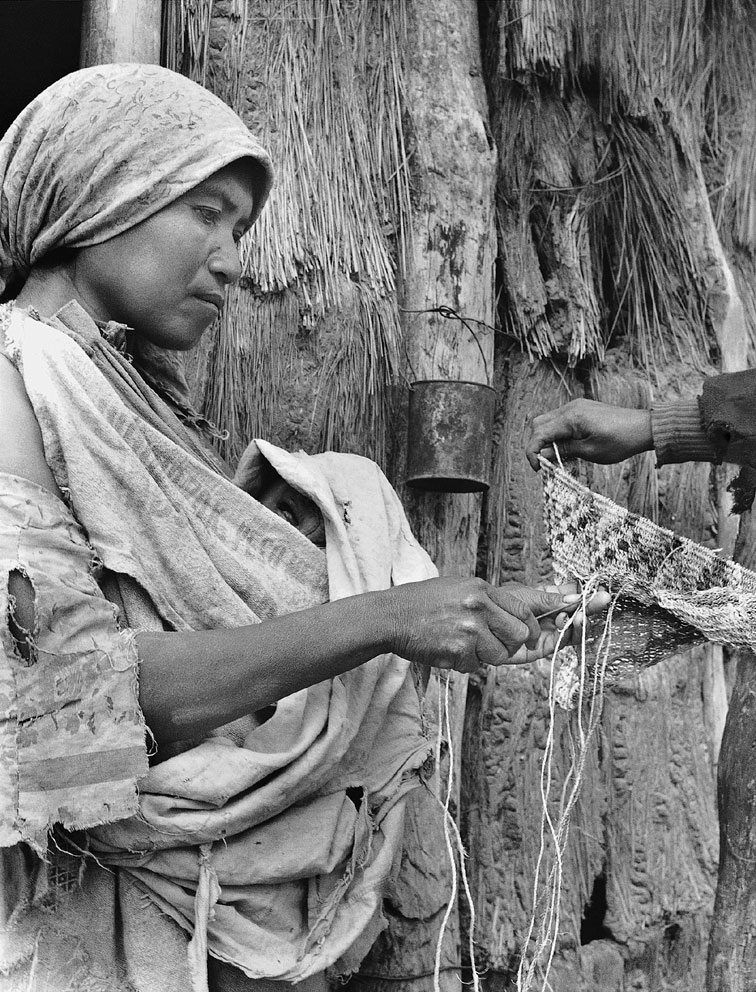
pixel 449 313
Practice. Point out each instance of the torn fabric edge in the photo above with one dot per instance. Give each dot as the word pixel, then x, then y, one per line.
pixel 72 735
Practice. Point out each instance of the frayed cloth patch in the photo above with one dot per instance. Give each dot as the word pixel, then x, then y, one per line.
pixel 70 722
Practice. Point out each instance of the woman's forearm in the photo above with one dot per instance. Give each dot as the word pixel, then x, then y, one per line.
pixel 192 682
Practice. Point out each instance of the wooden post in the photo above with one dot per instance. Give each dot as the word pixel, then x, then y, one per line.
pixel 450 264
pixel 732 950
pixel 732 945
pixel 452 254
pixel 120 31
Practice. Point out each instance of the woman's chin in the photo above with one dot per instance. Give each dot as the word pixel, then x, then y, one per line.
pixel 178 338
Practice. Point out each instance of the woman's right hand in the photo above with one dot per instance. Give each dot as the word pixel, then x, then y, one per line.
pixel 594 431
pixel 461 624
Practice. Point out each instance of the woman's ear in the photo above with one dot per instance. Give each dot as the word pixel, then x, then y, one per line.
pixel 254 473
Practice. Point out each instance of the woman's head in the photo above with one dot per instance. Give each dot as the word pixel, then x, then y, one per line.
pixel 102 152
pixel 166 276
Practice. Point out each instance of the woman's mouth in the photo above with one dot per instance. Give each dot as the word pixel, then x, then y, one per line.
pixel 215 300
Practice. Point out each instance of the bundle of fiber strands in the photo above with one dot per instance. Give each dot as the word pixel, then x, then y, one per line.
pixel 667 591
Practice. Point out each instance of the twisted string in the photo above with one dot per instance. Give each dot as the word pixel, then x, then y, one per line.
pixel 455 847
pixel 548 902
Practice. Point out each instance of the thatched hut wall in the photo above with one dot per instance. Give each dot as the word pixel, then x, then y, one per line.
pixel 309 347
pixel 615 280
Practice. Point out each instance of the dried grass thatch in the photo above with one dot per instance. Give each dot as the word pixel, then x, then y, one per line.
pixel 656 285
pixel 320 83
pixel 601 242
pixel 643 53
pixel 548 154
pixel 604 111
pixel 186 37
pixel 730 120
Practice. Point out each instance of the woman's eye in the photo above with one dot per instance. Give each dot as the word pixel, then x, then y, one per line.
pixel 208 214
pixel 285 510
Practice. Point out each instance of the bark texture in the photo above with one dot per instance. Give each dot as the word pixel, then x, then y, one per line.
pixel 732 956
pixel 450 264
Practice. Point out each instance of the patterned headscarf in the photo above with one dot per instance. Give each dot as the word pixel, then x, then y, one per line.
pixel 103 149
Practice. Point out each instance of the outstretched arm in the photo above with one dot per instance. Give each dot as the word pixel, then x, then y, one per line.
pixel 717 426
pixel 193 682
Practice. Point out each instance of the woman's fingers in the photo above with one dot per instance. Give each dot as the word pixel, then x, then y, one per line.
pixel 511 620
pixel 490 650
pixel 463 623
pixel 574 598
pixel 531 605
pixel 541 614
pixel 572 610
pixel 544 649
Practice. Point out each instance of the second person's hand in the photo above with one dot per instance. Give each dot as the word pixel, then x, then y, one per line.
pixel 597 432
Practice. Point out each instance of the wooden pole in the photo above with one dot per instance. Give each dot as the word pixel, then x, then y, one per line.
pixel 120 31
pixel 450 264
pixel 732 950
pixel 732 945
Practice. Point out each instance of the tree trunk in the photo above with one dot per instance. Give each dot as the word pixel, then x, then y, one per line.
pixel 732 953
pixel 732 947
pixel 450 265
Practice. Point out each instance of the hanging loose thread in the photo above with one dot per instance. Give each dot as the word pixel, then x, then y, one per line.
pixel 587 705
pixel 454 845
pixel 546 899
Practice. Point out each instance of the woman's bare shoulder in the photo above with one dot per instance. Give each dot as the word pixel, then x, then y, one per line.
pixel 21 450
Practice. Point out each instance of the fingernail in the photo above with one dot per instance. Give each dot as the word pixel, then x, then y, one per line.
pixel 572 597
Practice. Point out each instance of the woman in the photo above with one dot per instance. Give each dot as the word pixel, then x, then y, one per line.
pixel 146 589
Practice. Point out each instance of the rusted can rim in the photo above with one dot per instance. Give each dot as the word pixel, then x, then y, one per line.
pixel 451 382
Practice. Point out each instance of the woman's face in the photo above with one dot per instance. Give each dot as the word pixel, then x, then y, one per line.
pixel 167 276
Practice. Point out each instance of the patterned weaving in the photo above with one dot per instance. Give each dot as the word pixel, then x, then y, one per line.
pixel 670 592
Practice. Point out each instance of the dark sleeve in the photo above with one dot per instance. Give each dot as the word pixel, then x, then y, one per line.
pixel 718 426
pixel 728 416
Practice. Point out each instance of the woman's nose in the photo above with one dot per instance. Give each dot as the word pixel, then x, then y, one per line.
pixel 224 261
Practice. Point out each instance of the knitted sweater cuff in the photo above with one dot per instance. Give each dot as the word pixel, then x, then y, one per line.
pixel 678 434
